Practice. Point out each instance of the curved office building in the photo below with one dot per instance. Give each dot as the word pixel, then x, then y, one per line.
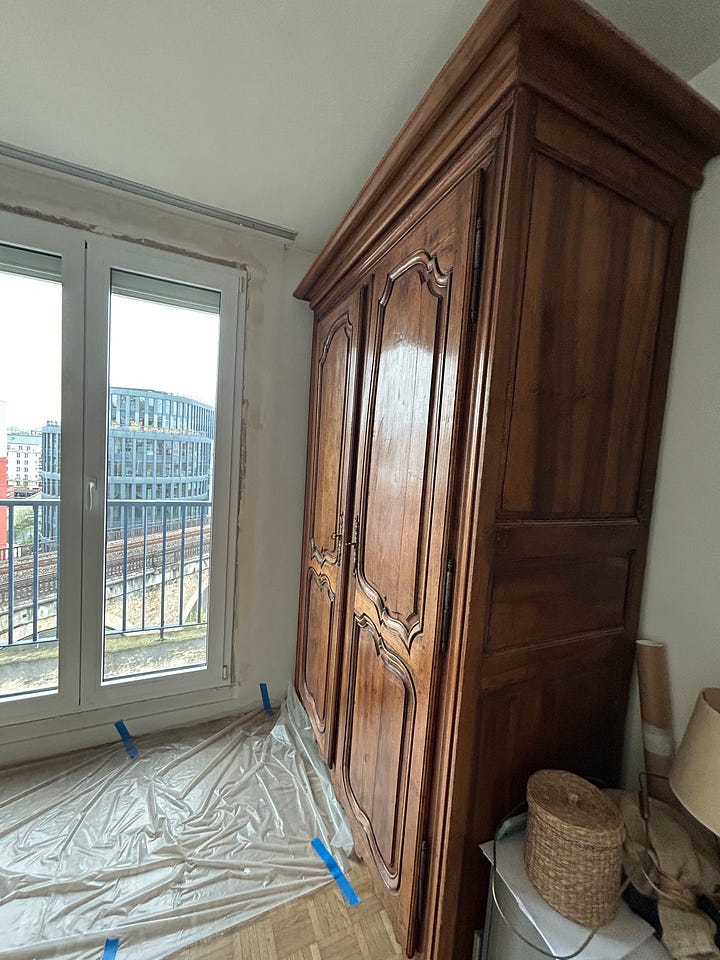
pixel 159 448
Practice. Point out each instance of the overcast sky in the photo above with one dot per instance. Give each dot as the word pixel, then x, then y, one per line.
pixel 153 346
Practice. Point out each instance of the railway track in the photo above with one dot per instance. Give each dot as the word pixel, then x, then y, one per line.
pixel 141 556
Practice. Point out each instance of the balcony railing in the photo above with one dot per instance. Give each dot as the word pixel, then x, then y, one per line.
pixel 157 558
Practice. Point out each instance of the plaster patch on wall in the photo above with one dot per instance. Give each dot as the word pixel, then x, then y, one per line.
pixel 243 447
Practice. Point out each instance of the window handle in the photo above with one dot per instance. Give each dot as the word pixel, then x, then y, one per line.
pixel 91 488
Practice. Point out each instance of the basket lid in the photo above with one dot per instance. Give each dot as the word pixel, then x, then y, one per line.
pixel 574 802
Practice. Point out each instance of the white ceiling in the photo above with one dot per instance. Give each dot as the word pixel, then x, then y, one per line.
pixel 277 109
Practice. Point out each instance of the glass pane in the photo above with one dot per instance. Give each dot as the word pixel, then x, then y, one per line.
pixel 30 396
pixel 160 453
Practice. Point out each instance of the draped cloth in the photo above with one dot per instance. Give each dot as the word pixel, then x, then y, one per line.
pixel 681 864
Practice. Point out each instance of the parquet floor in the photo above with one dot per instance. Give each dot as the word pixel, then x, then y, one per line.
pixel 319 926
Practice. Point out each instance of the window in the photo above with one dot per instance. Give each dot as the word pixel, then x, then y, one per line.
pixel 112 589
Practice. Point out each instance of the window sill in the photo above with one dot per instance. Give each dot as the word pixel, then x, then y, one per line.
pixel 36 739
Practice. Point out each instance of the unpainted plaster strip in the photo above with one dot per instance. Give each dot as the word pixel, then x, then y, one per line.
pixel 141 190
pixel 87 227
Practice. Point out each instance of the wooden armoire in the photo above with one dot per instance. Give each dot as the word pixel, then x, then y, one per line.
pixel 494 322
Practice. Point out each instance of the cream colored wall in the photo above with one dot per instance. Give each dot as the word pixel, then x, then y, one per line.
pixel 277 363
pixel 681 604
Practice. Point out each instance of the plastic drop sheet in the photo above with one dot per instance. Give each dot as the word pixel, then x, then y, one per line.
pixel 207 828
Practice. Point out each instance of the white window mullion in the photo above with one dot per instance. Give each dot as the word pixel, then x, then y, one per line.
pixel 94 478
pixel 71 508
pixel 227 471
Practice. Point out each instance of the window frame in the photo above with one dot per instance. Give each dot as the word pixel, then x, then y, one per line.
pixel 69 245
pixel 87 261
pixel 103 256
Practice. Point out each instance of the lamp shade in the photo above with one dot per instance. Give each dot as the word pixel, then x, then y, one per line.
pixel 695 775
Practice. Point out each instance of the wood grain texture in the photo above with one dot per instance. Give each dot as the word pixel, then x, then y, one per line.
pixel 332 434
pixel 510 717
pixel 595 274
pixel 402 502
pixel 412 328
pixel 318 640
pixel 379 725
pixel 584 505
pixel 318 926
pixel 539 601
pixel 518 343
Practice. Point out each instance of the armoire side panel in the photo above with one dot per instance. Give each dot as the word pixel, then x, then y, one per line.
pixel 539 601
pixel 565 485
pixel 595 278
pixel 565 706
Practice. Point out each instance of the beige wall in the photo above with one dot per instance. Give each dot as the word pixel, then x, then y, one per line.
pixel 277 363
pixel 681 604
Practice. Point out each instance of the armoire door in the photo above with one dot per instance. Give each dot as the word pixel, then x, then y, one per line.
pixel 400 540
pixel 331 436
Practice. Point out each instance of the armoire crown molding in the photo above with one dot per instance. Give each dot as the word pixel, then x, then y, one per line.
pixel 599 75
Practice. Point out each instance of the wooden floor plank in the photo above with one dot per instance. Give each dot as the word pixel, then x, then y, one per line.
pixel 318 926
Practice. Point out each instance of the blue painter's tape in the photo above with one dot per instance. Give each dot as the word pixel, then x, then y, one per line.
pixel 127 740
pixel 334 867
pixel 111 946
pixel 266 699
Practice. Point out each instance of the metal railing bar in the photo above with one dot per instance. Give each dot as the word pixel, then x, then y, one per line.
pixel 36 572
pixel 57 566
pixel 11 573
pixel 133 630
pixel 125 567
pixel 200 564
pixel 162 575
pixel 29 642
pixel 26 578
pixel 144 565
pixel 182 562
pixel 35 504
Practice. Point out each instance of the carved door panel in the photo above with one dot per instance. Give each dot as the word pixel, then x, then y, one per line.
pixel 401 532
pixel 331 435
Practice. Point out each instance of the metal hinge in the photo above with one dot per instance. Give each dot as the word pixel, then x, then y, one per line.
pixel 476 272
pixel 226 672
pixel 447 604
pixel 354 542
pixel 422 880
pixel 338 538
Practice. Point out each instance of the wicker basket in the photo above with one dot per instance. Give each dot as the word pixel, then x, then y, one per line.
pixel 573 852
